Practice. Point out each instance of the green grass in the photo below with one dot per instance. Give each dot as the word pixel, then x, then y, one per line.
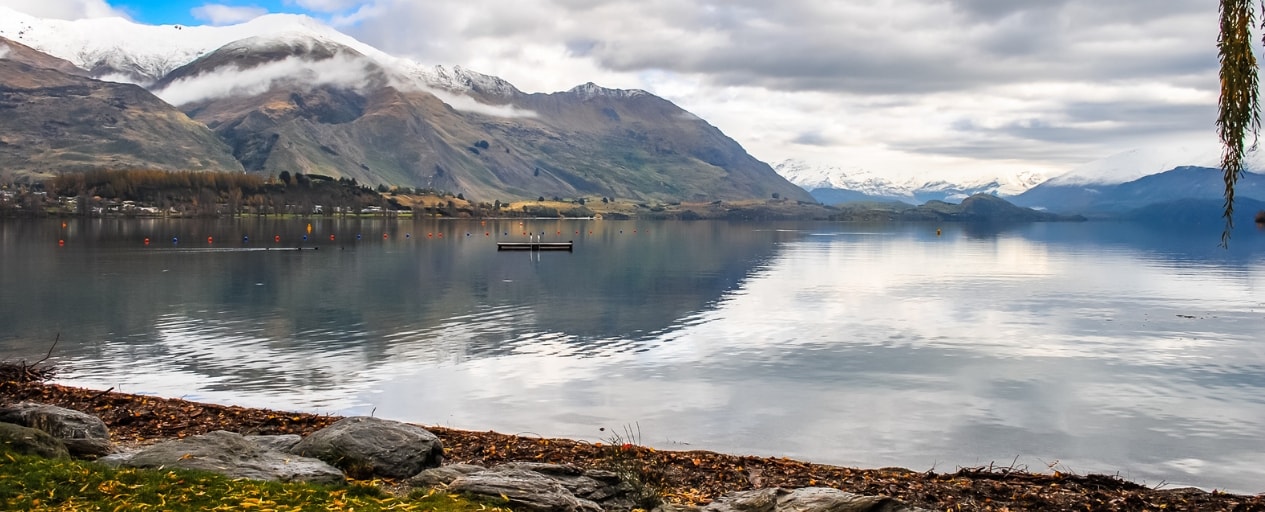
pixel 35 483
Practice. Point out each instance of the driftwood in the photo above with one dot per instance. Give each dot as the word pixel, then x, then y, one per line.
pixel 34 372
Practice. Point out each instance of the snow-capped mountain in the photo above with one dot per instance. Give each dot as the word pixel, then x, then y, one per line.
pixel 119 50
pixel 873 185
pixel 1137 163
pixel 287 93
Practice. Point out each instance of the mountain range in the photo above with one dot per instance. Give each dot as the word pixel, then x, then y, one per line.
pixel 1163 184
pixel 286 93
pixel 833 184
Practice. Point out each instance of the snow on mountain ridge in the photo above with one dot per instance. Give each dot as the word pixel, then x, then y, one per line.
pixel 145 53
pixel 591 90
pixel 811 177
pixel 122 50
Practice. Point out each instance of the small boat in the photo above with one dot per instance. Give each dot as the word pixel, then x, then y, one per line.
pixel 533 246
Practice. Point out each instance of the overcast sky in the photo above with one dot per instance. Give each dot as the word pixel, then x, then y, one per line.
pixel 901 87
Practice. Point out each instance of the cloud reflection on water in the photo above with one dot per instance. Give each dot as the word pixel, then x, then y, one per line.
pixel 864 347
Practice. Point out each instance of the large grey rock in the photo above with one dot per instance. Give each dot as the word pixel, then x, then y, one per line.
pixel 231 455
pixel 442 475
pixel 602 487
pixel 808 499
pixel 526 489
pixel 366 447
pixel 30 441
pixel 83 434
pixel 822 499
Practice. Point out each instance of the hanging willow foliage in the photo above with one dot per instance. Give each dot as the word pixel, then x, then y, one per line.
pixel 1239 113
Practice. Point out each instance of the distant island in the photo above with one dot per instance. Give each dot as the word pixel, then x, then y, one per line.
pixel 976 208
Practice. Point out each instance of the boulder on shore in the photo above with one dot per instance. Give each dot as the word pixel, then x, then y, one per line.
pixel 83 434
pixel 232 455
pixel 807 499
pixel 30 441
pixel 366 447
pixel 539 486
pixel 525 489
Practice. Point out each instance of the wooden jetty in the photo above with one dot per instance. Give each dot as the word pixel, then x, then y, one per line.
pixel 533 246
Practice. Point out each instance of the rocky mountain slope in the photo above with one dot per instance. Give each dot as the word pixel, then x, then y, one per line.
pixel 52 119
pixel 284 93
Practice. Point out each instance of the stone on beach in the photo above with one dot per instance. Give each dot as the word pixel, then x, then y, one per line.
pixel 83 434
pixel 366 447
pixel 30 441
pixel 229 454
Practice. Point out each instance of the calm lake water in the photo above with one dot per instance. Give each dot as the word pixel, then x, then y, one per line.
pixel 1090 347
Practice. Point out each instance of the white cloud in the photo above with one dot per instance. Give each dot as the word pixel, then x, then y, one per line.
pixel 220 14
pixel 64 9
pixel 467 104
pixel 340 71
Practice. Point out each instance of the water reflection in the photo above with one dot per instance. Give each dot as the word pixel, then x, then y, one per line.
pixel 1086 347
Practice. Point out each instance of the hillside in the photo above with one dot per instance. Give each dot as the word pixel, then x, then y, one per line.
pixel 53 121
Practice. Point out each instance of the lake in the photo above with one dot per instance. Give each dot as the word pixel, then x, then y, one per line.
pixel 1082 347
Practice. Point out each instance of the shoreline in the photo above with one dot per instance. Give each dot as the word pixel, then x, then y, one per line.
pixel 686 477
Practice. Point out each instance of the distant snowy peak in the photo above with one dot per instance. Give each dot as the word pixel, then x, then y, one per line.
pixel 591 90
pixel 1134 164
pixel 811 177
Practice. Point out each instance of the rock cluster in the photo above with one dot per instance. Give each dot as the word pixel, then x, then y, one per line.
pixel 364 447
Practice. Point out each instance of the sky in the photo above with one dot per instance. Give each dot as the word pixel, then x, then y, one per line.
pixel 945 88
